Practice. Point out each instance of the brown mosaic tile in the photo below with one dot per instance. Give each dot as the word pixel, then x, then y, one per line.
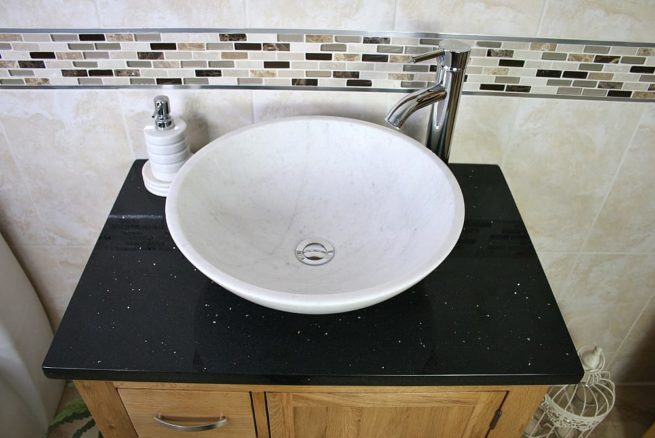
pixel 277 47
pixel 263 73
pixel 496 71
pixel 644 51
pixel 643 95
pixel 10 37
pixel 580 57
pixel 401 76
pixel 610 85
pixel 150 55
pixel 605 59
pixel 233 37
pixel 119 37
pixel 234 55
pixel 352 57
pixel 12 64
pixel 31 64
pixel 37 81
pixel 500 53
pixel 127 72
pixel 74 73
pixel 543 46
pixel 402 59
pixel 651 87
pixel 376 40
pixel 319 38
pixel 346 74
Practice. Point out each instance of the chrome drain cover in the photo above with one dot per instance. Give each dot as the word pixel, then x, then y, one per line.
pixel 314 252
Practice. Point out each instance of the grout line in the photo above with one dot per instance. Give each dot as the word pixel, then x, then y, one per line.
pixel 394 23
pixel 541 18
pixel 24 182
pixel 121 106
pixel 614 177
pixel 629 332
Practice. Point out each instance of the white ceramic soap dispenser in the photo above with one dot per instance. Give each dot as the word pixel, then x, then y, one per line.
pixel 167 148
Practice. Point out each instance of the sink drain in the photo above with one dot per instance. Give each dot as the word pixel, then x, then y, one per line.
pixel 314 251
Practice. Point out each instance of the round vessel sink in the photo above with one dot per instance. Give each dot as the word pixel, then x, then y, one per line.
pixel 315 214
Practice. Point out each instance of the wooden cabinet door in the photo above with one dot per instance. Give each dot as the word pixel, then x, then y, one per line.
pixel 189 408
pixel 382 415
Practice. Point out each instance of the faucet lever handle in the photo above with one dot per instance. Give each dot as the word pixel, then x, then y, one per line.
pixel 428 55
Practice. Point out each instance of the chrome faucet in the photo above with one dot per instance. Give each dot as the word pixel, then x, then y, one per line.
pixel 451 56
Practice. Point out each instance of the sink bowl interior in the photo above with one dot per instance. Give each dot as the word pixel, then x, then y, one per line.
pixel 258 209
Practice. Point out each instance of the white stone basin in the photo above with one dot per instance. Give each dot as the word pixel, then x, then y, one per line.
pixel 240 207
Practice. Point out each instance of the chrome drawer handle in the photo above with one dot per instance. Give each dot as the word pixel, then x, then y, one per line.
pixel 167 421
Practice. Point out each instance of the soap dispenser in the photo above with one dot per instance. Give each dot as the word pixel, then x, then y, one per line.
pixel 167 148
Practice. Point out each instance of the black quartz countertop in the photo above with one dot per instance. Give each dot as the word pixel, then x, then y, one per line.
pixel 485 316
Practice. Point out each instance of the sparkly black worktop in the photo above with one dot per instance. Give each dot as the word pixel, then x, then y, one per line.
pixel 486 315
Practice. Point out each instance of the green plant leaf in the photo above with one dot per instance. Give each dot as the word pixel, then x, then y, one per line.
pixel 73 410
pixel 88 426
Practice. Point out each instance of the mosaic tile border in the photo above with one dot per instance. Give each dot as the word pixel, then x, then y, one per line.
pixel 303 59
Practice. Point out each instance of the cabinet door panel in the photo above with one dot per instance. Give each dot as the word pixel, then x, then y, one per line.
pixel 382 415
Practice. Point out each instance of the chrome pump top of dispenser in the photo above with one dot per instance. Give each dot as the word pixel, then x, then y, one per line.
pixel 162 114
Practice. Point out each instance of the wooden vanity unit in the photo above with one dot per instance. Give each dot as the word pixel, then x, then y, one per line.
pixel 156 349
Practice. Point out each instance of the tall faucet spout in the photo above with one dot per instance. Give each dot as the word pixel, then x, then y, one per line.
pixel 409 104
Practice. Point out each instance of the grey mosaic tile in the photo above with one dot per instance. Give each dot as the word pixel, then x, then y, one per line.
pixel 597 49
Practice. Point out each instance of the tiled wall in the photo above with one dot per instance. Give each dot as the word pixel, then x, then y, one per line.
pixel 306 59
pixel 581 171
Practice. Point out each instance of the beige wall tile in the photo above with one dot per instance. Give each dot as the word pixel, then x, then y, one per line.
pixel 599 19
pixel 172 13
pixel 486 17
pixel 605 295
pixel 48 14
pixel 72 149
pixel 372 15
pixel 19 221
pixel 558 266
pixel 484 129
pixel 635 361
pixel 42 268
pixel 370 107
pixel 627 221
pixel 72 261
pixel 208 113
pixel 563 157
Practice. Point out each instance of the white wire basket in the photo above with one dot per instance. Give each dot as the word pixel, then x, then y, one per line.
pixel 572 411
